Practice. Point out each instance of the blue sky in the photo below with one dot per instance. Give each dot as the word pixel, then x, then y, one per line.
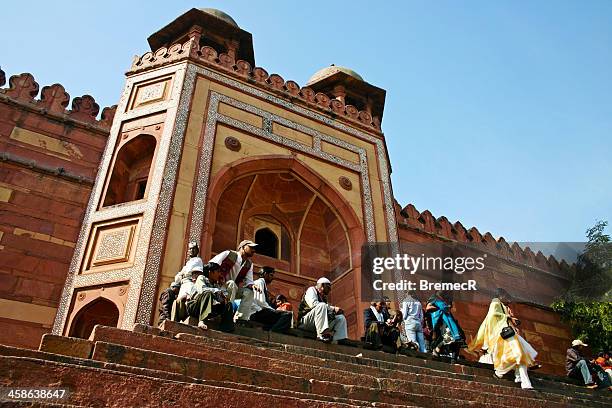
pixel 498 114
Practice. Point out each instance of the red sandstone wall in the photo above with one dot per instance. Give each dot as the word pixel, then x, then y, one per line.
pixel 49 157
pixel 526 275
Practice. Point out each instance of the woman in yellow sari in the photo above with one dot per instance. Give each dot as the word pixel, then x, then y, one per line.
pixel 513 353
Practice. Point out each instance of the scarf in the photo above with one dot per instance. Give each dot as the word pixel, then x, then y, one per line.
pixel 378 315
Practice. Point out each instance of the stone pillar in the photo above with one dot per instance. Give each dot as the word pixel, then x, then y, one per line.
pixel 118 254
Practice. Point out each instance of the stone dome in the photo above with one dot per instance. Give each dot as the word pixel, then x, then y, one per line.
pixel 220 15
pixel 331 70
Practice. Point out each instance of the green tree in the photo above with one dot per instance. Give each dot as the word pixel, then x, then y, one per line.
pixel 587 305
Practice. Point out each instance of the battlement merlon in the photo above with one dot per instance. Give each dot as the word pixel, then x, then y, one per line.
pixel 212 38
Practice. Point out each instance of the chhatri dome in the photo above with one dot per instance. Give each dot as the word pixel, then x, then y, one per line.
pixel 331 70
pixel 220 15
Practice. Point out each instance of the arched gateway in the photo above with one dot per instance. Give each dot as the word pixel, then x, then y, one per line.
pixel 234 153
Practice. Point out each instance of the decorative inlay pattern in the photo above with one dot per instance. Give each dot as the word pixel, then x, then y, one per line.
pixel 345 183
pixel 114 246
pixel 266 132
pixel 232 143
pixel 151 93
pixel 380 147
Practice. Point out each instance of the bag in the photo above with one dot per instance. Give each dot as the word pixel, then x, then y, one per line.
pixel 507 332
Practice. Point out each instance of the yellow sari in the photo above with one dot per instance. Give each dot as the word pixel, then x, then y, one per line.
pixel 506 354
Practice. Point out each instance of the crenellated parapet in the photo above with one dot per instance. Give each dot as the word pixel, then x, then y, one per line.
pixel 272 83
pixel 54 100
pixel 442 228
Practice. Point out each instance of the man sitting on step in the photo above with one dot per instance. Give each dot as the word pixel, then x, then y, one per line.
pixel 380 328
pixel 166 300
pixel 237 273
pixel 188 278
pixel 210 299
pixel 192 261
pixel 315 314
pixel 262 310
pixel 577 366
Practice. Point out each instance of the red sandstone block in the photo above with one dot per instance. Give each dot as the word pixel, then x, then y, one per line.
pixel 35 289
pixel 66 346
pixel 176 327
pixel 13 217
pixel 538 315
pixel 146 329
pixel 67 210
pixel 37 247
pixel 21 334
pixel 67 232
pixel 12 260
pixel 7 283
pixel 29 200
pixel 195 368
pixel 44 273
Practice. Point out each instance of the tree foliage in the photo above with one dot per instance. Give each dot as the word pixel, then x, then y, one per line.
pixel 587 305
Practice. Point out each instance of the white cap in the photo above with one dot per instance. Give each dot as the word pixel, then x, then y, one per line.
pixel 578 343
pixel 246 242
pixel 195 264
pixel 321 281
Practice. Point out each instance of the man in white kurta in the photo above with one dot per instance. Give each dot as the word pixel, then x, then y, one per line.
pixel 261 310
pixel 193 262
pixel 315 314
pixel 237 271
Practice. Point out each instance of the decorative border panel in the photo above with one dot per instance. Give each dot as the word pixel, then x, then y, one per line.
pixel 111 245
pixel 195 230
pixel 266 132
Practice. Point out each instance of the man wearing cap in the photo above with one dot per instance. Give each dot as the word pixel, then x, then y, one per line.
pixel 315 314
pixel 261 310
pixel 576 365
pixel 237 272
pixel 193 261
pixel 187 291
pixel 211 299
pixel 166 299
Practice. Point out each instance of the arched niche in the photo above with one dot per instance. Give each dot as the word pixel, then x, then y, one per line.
pixel 130 176
pixel 287 192
pixel 99 311
pixel 267 242
pixel 321 229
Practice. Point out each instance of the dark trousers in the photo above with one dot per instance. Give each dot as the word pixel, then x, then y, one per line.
pixel 274 320
pixel 379 334
pixel 201 308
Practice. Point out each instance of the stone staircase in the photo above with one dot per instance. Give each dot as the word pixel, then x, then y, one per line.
pixel 180 365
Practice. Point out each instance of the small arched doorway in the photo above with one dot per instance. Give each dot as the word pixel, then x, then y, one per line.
pixel 267 242
pixel 100 311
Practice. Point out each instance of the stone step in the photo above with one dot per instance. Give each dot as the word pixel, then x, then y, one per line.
pixel 65 372
pixel 426 370
pixel 337 380
pixel 411 358
pixel 205 369
pixel 310 367
pixel 392 378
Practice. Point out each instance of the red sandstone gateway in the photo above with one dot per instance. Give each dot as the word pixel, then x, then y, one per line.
pixel 96 215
